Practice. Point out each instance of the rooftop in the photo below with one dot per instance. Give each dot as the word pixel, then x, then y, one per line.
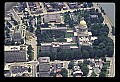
pixel 44 59
pixel 13 48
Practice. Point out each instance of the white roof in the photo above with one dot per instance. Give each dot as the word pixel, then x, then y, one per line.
pixel 77 72
pixel 75 33
pixel 45 44
pixel 56 28
pixel 69 39
pixel 93 38
pixel 84 39
pixel 6 67
pixel 89 67
pixel 56 45
pixel 61 43
pixel 73 47
pixel 10 48
pixel 89 33
pixel 69 30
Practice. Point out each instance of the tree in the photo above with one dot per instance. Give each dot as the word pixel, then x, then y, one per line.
pixel 85 70
pixel 102 74
pixel 30 53
pixel 46 25
pixel 29 48
pixel 86 61
pixel 103 59
pixel 113 30
pixel 31 28
pixel 64 72
pixel 29 69
pixel 110 50
pixel 15 22
pixel 71 64
pixel 98 53
pixel 104 68
pixel 85 54
pixel 22 41
pixel 93 74
pixel 91 53
pixel 101 45
pixel 52 73
pixel 37 68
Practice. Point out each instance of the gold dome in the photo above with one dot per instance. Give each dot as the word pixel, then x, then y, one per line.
pixel 82 23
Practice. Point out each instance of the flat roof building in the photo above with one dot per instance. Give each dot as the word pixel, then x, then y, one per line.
pixel 17 35
pixel 52 18
pixel 15 54
pixel 52 47
pixel 44 66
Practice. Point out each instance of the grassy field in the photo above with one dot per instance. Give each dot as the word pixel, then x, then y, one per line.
pixel 69 35
pixel 107 63
pixel 107 72
pixel 38 48
pixel 73 44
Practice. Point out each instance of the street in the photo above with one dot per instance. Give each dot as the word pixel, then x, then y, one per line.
pixel 33 39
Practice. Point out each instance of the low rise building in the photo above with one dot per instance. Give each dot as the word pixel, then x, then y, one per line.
pixel 44 66
pixel 53 47
pixel 83 36
pixel 18 34
pixel 55 27
pixel 15 53
pixel 52 18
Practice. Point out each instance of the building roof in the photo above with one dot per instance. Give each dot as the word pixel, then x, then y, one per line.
pixel 94 16
pixel 15 56
pixel 73 46
pixel 55 28
pixel 17 36
pixel 18 69
pixel 75 33
pixel 83 23
pixel 44 67
pixel 58 75
pixel 52 16
pixel 45 44
pixel 69 30
pixel 53 43
pixel 44 74
pixel 69 39
pixel 93 38
pixel 89 33
pixel 44 59
pixel 15 53
pixel 6 67
pixel 76 72
pixel 13 48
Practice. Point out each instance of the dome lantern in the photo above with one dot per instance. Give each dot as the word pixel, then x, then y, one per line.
pixel 83 22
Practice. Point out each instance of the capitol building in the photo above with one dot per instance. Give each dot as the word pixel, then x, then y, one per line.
pixel 83 36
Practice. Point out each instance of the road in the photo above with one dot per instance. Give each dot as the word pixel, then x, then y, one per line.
pixel 62 11
pixel 109 23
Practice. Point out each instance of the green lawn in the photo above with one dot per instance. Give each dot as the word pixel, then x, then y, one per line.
pixel 70 28
pixel 69 35
pixel 107 63
pixel 73 44
pixel 38 48
pixel 107 72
